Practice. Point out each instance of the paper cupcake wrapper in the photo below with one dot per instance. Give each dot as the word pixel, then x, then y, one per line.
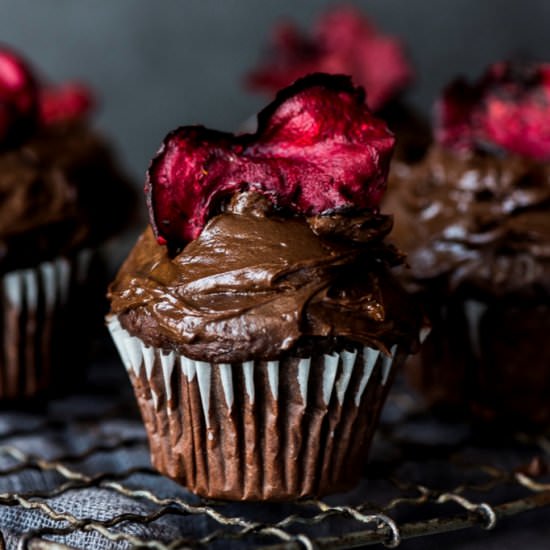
pixel 473 313
pixel 259 429
pixel 32 302
pixel 508 379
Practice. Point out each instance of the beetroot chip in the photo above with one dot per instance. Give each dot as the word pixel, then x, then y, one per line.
pixel 507 110
pixel 343 41
pixel 68 102
pixel 18 93
pixel 317 149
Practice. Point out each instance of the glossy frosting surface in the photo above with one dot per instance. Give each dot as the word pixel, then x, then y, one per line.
pixel 476 219
pixel 255 284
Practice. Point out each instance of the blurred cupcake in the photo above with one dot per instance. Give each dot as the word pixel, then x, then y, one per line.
pixel 474 218
pixel 261 327
pixel 344 41
pixel 55 175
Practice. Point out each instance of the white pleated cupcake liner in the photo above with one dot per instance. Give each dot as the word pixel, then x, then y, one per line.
pixel 32 301
pixel 474 311
pixel 259 429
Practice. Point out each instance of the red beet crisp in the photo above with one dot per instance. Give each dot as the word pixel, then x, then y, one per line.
pixel 18 98
pixel 317 149
pixel 507 109
pixel 26 103
pixel 64 103
pixel 343 41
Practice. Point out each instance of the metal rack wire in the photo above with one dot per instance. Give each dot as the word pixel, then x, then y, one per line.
pixel 405 500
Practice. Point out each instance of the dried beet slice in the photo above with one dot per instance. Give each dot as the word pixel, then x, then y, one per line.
pixel 26 104
pixel 317 149
pixel 18 93
pixel 507 110
pixel 343 41
pixel 69 102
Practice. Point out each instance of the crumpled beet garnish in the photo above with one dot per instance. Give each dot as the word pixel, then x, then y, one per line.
pixel 27 104
pixel 343 41
pixel 65 103
pixel 317 149
pixel 18 98
pixel 508 110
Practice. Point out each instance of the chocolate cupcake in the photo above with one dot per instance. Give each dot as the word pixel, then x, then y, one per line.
pixel 258 318
pixel 54 176
pixel 474 218
pixel 344 41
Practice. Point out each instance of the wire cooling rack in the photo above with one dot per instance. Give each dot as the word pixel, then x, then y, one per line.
pixel 76 475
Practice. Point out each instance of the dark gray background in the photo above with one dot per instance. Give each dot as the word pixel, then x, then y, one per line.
pixel 158 64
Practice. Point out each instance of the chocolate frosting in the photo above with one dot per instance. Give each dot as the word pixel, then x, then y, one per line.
pixel 476 220
pixel 256 284
pixel 59 191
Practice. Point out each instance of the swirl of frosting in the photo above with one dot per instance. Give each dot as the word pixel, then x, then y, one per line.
pixel 477 219
pixel 255 284
pixel 59 191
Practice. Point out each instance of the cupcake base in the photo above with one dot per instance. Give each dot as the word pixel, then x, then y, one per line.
pixel 487 360
pixel 37 319
pixel 258 430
